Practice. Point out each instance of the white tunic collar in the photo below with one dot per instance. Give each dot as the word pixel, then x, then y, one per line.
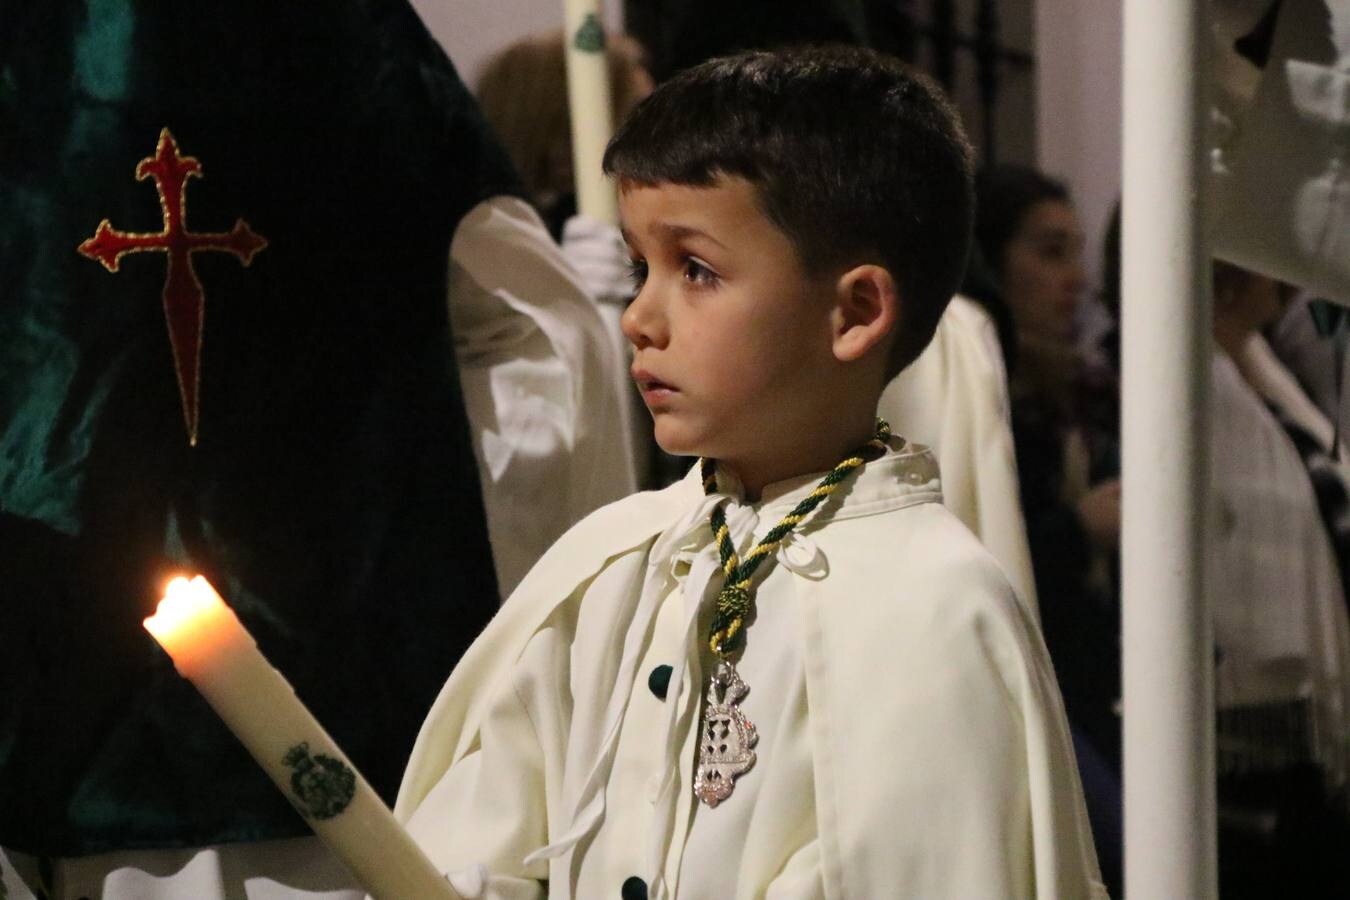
pixel 908 473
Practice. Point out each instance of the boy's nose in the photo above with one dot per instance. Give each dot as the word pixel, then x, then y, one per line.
pixel 642 322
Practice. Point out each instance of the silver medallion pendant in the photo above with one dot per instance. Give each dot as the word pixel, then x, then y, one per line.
pixel 725 739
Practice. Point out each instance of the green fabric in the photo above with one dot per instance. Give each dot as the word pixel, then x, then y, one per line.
pixel 333 496
pixel 1328 318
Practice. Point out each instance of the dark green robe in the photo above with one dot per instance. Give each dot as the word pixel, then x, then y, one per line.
pixel 332 497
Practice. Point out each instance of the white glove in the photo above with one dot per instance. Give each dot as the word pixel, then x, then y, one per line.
pixel 597 251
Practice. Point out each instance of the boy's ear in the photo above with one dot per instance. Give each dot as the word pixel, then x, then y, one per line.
pixel 866 310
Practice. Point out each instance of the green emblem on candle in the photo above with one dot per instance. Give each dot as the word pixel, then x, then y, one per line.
pixel 590 37
pixel 323 786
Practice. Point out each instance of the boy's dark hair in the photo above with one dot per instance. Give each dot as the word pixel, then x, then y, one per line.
pixel 855 156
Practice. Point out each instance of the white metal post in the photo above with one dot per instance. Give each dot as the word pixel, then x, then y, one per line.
pixel 1170 831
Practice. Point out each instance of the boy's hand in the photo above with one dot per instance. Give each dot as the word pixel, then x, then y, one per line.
pixel 1099 511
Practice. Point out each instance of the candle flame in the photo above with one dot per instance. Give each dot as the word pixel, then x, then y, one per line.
pixel 184 607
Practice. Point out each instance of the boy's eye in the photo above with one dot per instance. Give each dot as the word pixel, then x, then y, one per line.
pixel 697 273
pixel 637 273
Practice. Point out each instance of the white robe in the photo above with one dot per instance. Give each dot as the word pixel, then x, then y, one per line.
pixel 537 374
pixel 540 384
pixel 912 739
pixel 1280 621
pixel 597 252
pixel 954 398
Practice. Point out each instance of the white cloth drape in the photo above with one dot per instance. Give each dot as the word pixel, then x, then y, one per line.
pixel 954 399
pixel 597 251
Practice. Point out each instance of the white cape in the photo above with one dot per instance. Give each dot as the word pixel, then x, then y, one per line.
pixel 965 669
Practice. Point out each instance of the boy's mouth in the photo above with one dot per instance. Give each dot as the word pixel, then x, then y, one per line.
pixel 651 387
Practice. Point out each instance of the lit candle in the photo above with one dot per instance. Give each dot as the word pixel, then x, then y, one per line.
pixel 210 648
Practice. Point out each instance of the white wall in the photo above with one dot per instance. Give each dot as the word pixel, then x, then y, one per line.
pixel 1078 107
pixel 473 30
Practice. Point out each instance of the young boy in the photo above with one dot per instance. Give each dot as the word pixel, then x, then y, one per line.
pixel 793 674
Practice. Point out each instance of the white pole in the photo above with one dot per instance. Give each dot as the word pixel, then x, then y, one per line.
pixel 588 95
pixel 1170 832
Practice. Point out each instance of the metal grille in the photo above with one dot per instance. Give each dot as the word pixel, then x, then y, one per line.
pixel 971 46
pixel 1266 737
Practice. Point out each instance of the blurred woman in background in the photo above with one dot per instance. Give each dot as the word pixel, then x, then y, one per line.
pixel 1064 421
pixel 1064 415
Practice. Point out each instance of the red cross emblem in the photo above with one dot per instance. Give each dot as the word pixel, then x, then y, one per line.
pixel 183 297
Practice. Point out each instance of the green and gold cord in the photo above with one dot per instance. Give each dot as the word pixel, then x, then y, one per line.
pixel 736 599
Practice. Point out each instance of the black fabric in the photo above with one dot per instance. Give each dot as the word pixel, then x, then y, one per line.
pixel 1330 489
pixel 683 33
pixel 333 497
pixel 1080 620
pixel 1281 834
pixel 1080 623
pixel 1079 608
pixel 556 214
pixel 1254 46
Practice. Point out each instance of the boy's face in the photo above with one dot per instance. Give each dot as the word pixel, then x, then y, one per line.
pixel 730 334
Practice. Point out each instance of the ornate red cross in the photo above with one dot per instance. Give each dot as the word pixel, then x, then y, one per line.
pixel 183 298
